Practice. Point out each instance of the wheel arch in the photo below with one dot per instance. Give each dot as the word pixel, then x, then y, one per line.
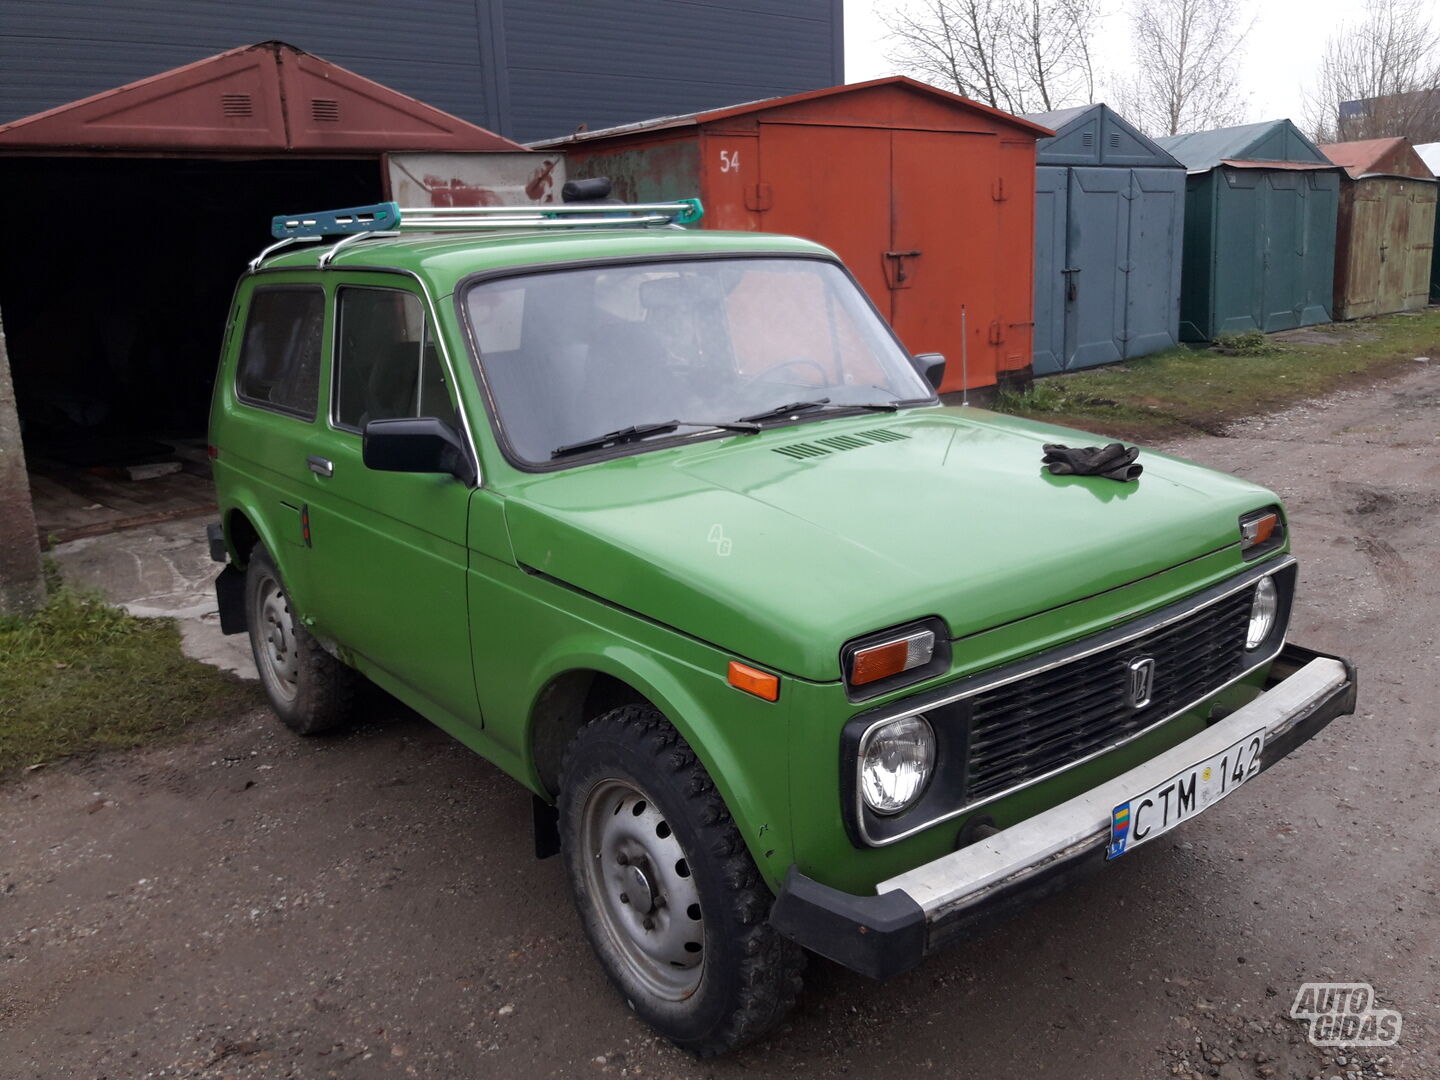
pixel 241 534
pixel 565 704
pixel 614 676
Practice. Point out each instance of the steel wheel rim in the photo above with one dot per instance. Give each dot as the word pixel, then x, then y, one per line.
pixel 275 650
pixel 642 890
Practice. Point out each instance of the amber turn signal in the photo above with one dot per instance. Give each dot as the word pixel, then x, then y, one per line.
pixel 1258 530
pixel 753 681
pixel 891 658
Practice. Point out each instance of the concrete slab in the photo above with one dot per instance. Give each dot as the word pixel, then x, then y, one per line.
pixel 161 571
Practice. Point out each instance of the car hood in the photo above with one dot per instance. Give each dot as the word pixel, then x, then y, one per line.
pixel 780 547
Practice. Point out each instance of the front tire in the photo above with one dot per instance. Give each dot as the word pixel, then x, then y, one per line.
pixel 307 688
pixel 667 892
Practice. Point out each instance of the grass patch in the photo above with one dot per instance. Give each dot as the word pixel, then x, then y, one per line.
pixel 80 675
pixel 1250 343
pixel 1184 391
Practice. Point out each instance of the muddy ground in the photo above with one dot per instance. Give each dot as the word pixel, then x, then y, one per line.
pixel 250 904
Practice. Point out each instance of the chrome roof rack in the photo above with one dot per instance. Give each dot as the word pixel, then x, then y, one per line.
pixel 388 217
pixel 357 223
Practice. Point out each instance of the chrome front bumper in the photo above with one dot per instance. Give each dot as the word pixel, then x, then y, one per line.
pixel 962 893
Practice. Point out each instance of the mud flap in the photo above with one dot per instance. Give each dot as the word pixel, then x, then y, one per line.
pixel 230 596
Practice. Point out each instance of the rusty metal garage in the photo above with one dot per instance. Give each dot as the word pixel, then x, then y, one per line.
pixel 927 196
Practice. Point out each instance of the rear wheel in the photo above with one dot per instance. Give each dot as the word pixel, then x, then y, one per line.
pixel 308 688
pixel 668 894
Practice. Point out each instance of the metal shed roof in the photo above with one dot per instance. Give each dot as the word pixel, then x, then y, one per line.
pixel 1430 154
pixel 1097 135
pixel 270 97
pixel 696 118
pixel 1264 144
pixel 1378 157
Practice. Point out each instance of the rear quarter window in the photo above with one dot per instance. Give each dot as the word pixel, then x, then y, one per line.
pixel 279 367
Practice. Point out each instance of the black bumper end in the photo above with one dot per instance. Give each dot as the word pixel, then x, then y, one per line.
pixel 888 934
pixel 879 936
pixel 215 534
pixel 1341 703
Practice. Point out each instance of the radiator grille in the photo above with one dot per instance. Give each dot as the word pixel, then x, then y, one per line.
pixel 1036 725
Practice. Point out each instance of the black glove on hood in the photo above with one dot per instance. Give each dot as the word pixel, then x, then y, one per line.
pixel 1114 461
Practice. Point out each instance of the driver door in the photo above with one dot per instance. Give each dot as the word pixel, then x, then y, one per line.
pixel 390 548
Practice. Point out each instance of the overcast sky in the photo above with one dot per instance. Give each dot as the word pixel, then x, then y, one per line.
pixel 1279 61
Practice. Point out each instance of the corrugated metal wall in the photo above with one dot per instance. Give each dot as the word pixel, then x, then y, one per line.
pixel 1268 260
pixel 1109 206
pixel 524 68
pixel 925 196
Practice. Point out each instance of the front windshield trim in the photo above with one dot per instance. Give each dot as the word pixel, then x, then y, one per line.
pixel 464 286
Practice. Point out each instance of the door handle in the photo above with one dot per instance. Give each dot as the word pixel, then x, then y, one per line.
pixel 898 263
pixel 1071 291
pixel 320 466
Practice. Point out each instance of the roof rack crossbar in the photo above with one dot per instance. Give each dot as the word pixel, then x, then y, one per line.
pixel 389 218
pixel 273 248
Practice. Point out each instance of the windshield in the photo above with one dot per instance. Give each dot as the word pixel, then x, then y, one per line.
pixel 571 355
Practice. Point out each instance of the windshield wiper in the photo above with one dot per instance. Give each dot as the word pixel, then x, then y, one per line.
pixel 781 410
pixel 636 432
pixel 633 433
pixel 826 403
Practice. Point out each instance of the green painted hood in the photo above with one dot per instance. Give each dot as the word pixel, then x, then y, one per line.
pixel 781 552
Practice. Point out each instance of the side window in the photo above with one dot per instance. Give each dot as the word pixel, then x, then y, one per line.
pixel 386 362
pixel 279 365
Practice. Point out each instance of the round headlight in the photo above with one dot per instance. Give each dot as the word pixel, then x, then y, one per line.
pixel 895 763
pixel 1262 612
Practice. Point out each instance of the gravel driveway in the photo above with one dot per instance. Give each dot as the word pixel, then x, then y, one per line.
pixel 250 904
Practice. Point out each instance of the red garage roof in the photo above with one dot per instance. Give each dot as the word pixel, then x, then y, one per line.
pixel 1382 157
pixel 267 98
pixel 847 92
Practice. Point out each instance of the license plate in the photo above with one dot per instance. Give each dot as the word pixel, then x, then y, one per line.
pixel 1184 795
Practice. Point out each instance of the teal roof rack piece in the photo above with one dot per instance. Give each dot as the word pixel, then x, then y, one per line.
pixel 357 219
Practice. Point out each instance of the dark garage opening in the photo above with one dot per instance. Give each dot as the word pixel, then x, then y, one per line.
pixel 114 294
pixel 132 214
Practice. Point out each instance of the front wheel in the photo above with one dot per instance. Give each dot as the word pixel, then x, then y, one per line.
pixel 308 688
pixel 667 892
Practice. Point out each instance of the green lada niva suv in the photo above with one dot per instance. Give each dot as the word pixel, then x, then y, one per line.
pixel 668 525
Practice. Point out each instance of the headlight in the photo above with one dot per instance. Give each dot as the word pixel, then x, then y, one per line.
pixel 1263 610
pixel 896 760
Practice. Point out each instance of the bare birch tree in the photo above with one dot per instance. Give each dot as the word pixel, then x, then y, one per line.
pixel 1017 55
pixel 1186 63
pixel 1379 77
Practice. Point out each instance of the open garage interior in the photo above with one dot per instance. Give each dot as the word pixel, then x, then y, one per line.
pixel 132 214
pixel 114 296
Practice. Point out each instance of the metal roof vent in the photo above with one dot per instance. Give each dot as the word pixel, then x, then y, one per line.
pixel 1087 139
pixel 236 105
pixel 1114 140
pixel 325 110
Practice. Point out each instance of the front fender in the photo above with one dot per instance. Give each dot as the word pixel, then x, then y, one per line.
pixel 741 740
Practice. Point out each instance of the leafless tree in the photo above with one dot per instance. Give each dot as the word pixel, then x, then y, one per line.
pixel 1379 77
pixel 1017 55
pixel 1185 70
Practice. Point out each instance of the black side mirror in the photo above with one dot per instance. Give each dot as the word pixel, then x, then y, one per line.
pixel 931 366
pixel 420 444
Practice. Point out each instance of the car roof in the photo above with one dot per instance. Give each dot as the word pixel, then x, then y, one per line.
pixel 443 259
